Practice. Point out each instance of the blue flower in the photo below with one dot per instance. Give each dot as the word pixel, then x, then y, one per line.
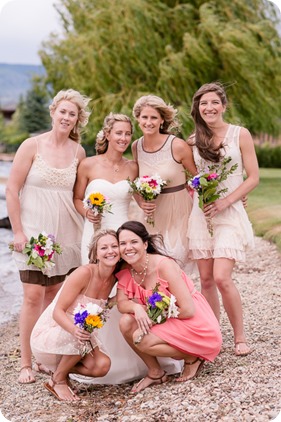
pixel 196 182
pixel 80 318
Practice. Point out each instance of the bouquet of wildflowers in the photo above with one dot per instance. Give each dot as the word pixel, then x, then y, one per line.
pixel 159 308
pixel 149 187
pixel 89 317
pixel 99 203
pixel 207 184
pixel 40 251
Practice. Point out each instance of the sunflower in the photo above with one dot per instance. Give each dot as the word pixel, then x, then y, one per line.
pixel 96 199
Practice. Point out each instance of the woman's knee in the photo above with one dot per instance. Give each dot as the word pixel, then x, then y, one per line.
pixel 101 366
pixel 127 323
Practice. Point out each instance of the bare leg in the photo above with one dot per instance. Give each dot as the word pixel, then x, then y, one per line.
pixel 50 293
pixel 33 296
pixel 208 285
pixel 232 302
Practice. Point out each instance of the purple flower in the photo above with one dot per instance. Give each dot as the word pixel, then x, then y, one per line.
pixel 80 318
pixel 196 182
pixel 155 297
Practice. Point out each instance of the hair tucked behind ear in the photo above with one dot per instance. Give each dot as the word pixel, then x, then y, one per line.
pixel 203 136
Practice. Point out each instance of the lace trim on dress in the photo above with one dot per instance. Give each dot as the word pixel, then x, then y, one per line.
pixel 53 176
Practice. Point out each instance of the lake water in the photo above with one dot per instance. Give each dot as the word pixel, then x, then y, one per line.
pixel 10 284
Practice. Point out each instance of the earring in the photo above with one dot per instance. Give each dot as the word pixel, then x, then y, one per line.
pixel 161 126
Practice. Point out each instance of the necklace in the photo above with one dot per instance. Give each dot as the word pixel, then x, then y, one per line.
pixel 139 273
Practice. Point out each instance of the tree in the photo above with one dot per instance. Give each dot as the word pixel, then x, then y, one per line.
pixel 115 51
pixel 32 113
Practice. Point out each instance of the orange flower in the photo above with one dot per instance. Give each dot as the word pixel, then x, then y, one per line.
pixel 94 321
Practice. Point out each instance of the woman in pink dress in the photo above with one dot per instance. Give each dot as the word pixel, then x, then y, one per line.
pixel 194 335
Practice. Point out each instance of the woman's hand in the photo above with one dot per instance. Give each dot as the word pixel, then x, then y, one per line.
pixel 143 321
pixel 147 206
pixel 210 210
pixel 19 242
pixel 93 217
pixel 81 335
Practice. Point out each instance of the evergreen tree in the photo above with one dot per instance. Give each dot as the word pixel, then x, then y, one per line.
pixel 32 112
pixel 115 51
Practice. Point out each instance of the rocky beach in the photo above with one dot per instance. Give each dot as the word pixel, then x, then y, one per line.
pixel 232 389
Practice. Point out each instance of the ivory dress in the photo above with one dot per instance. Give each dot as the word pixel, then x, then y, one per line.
pixel 125 364
pixel 199 335
pixel 172 208
pixel 49 341
pixel 233 232
pixel 46 201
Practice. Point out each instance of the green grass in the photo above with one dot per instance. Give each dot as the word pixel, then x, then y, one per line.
pixel 264 206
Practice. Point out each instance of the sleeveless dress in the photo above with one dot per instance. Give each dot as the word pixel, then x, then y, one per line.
pixel 233 232
pixel 199 335
pixel 126 366
pixel 172 208
pixel 49 341
pixel 46 201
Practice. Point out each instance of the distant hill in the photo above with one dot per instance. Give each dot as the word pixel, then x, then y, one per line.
pixel 15 80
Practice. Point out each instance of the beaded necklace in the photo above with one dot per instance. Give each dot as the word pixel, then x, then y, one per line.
pixel 143 272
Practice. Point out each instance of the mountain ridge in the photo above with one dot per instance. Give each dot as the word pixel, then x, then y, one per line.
pixel 15 81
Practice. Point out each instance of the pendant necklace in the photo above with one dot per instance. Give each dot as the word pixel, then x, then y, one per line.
pixel 140 273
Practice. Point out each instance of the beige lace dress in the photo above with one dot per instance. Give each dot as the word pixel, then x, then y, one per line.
pixel 46 201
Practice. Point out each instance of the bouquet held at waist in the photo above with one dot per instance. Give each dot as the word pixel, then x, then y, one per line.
pixel 99 204
pixel 89 317
pixel 160 307
pixel 206 184
pixel 40 251
pixel 149 187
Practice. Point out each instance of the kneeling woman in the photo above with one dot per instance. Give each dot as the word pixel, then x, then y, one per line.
pixel 193 336
pixel 56 342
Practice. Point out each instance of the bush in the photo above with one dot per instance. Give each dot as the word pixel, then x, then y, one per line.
pixel 268 156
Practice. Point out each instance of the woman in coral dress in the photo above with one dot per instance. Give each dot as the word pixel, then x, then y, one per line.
pixel 194 335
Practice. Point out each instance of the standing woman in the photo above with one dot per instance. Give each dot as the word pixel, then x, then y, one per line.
pixel 213 140
pixel 107 173
pixel 158 151
pixel 40 198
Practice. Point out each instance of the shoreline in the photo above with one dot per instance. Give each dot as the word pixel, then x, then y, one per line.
pixel 231 389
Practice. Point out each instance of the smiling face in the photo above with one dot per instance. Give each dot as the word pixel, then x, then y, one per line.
pixel 108 250
pixel 150 120
pixel 120 136
pixel 132 247
pixel 211 109
pixel 65 116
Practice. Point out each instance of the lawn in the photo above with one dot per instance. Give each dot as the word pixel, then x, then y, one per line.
pixel 264 206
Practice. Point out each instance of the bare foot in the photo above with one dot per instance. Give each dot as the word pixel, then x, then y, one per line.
pixel 61 390
pixel 242 348
pixel 191 370
pixel 26 375
pixel 39 367
pixel 148 381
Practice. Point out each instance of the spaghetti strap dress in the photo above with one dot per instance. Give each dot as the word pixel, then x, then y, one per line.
pixel 49 341
pixel 173 205
pixel 46 201
pixel 232 230
pixel 199 335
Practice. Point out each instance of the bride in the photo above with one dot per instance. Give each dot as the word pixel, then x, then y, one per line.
pixel 107 173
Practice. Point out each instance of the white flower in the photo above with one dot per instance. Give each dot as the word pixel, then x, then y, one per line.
pixel 93 309
pixel 173 311
pixel 34 254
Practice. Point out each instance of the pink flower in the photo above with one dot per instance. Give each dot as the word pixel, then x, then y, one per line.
pixel 39 249
pixel 153 183
pixel 212 176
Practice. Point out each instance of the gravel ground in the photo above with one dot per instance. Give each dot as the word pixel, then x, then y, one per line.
pixel 231 389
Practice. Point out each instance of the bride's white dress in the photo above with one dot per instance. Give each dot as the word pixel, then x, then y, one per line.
pixel 125 364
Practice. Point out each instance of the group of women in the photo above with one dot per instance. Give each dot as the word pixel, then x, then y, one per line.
pixel 47 169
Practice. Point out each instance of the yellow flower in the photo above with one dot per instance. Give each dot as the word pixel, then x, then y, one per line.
pixel 94 321
pixel 96 198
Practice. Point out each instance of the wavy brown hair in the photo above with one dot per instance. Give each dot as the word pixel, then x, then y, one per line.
pixel 203 135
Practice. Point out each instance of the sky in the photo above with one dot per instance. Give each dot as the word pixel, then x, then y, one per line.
pixel 24 24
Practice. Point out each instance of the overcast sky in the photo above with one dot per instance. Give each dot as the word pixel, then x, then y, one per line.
pixel 24 24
